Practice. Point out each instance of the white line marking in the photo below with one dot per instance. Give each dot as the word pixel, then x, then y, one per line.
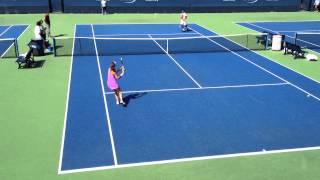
pixel 203 88
pixel 177 63
pixel 146 34
pixel 303 31
pixel 288 67
pixel 5 30
pixel 278 21
pixel 276 32
pixel 279 32
pixel 307 42
pixel 262 68
pixel 190 159
pixel 257 153
pixel 111 24
pixel 24 30
pixel 13 43
pixel 15 24
pixel 67 106
pixel 105 103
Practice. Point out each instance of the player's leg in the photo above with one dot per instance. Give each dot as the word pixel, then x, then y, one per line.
pixel 120 96
pixel 116 94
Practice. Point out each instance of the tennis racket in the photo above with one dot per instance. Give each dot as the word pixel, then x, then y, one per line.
pixel 121 60
pixel 122 67
pixel 122 64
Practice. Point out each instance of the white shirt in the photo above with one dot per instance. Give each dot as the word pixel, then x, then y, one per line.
pixel 37 31
pixel 183 18
pixel 103 3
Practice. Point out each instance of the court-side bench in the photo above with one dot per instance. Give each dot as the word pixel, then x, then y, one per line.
pixel 27 60
pixel 293 49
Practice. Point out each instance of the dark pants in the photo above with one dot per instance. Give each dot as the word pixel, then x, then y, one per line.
pixel 184 28
pixel 104 10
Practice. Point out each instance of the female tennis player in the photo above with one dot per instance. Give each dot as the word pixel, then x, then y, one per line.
pixel 112 81
pixel 183 21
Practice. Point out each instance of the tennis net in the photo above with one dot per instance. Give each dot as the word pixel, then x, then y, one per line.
pixel 87 46
pixel 308 40
pixel 8 48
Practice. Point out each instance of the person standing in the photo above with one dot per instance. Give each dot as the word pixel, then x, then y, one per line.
pixel 104 6
pixel 48 24
pixel 183 21
pixel 316 5
pixel 112 82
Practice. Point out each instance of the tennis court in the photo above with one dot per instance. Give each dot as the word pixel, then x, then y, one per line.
pixel 8 36
pixel 216 99
pixel 303 33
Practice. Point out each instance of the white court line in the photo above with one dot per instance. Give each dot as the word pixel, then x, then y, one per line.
pixel 202 88
pixel 110 24
pixel 114 153
pixel 5 30
pixel 262 152
pixel 16 41
pixel 276 32
pixel 308 93
pixel 67 105
pixel 145 34
pixel 15 24
pixel 283 65
pixel 190 159
pixel 177 63
pixel 13 42
pixel 307 42
pixel 278 21
pixel 24 30
pixel 298 31
pixel 303 31
pixel 294 38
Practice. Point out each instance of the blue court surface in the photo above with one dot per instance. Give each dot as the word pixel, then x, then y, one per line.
pixel 182 106
pixel 302 33
pixel 8 34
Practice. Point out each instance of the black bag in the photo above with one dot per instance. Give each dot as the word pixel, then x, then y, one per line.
pixel 37 47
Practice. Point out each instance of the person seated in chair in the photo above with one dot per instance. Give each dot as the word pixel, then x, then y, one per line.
pixel 40 35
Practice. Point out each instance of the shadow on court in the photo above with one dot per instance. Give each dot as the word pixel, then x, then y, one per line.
pixel 130 97
pixel 34 64
pixel 60 35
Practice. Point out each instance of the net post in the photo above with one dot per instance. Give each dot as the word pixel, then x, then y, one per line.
pixel 16 48
pixel 167 49
pixel 295 38
pixel 247 43
pixel 54 46
pixel 266 41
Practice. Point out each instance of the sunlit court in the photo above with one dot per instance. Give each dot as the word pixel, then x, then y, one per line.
pixel 159 89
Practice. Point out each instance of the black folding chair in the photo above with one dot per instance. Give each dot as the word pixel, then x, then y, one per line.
pixel 27 60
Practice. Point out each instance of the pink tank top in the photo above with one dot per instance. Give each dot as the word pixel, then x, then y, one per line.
pixel 112 83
